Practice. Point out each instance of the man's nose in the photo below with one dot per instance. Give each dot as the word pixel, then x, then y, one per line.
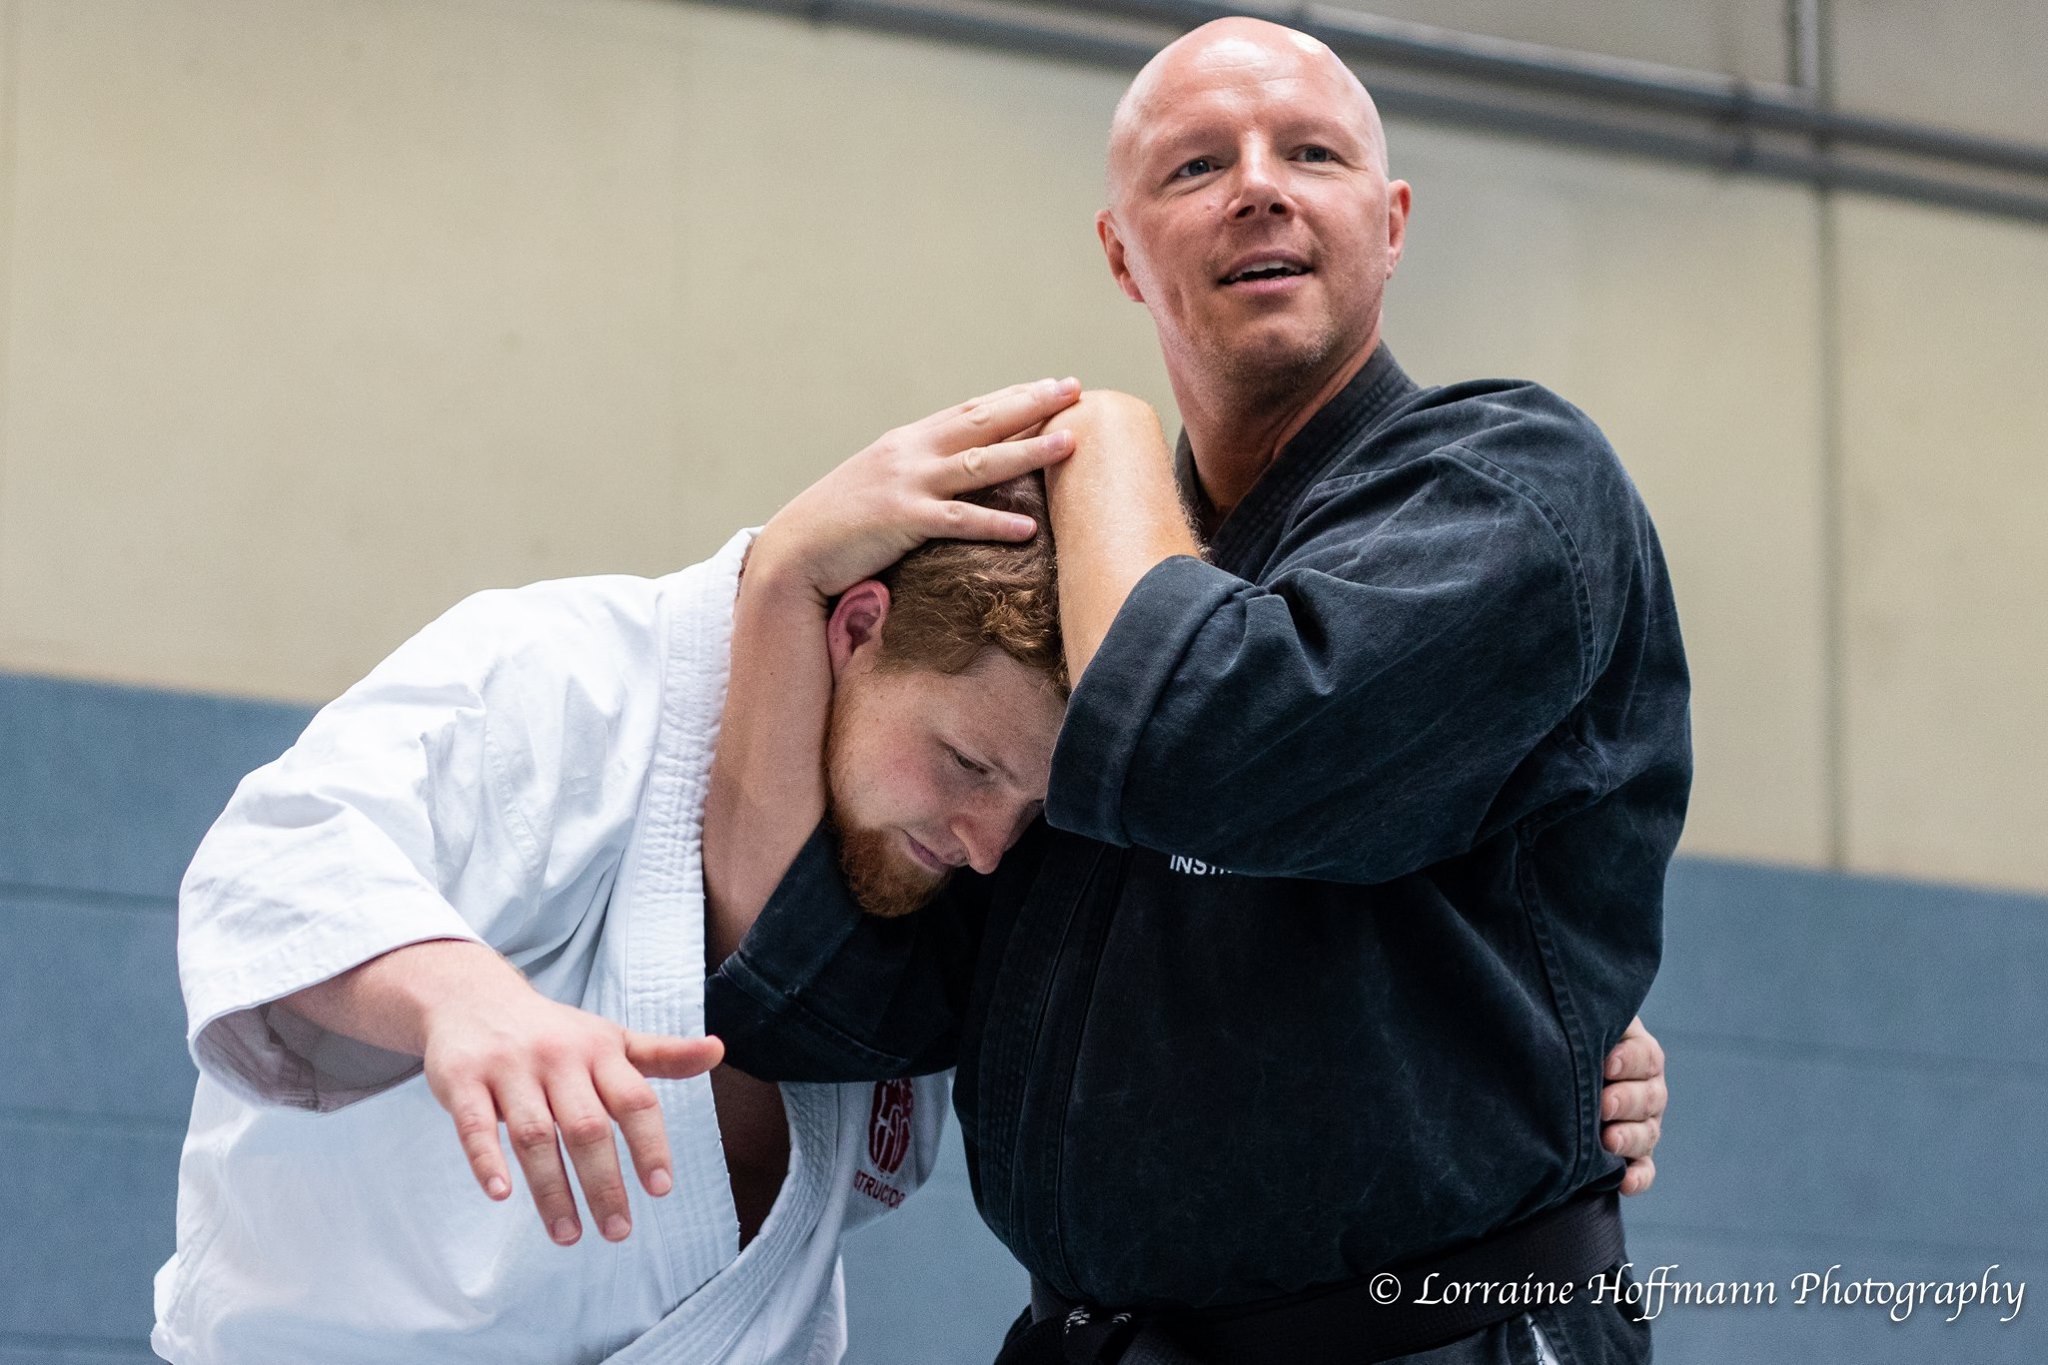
pixel 986 834
pixel 1259 188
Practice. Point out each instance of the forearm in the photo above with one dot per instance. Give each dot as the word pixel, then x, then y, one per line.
pixel 386 1002
pixel 767 790
pixel 1116 512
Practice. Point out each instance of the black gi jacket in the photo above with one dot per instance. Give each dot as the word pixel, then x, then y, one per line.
pixel 1350 875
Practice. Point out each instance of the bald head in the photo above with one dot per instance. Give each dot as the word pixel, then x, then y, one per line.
pixel 1251 213
pixel 1235 52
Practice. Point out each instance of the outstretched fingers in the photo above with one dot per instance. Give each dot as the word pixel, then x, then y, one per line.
pixel 530 1124
pixel 671 1058
pixel 586 1127
pixel 631 1101
pixel 476 1127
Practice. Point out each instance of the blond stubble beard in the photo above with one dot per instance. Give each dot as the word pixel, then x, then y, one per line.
pixel 1271 374
pixel 1277 373
pixel 882 881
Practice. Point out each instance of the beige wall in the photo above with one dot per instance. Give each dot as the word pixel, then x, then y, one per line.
pixel 1747 38
pixel 1680 311
pixel 326 313
pixel 321 313
pixel 1975 65
pixel 1945 322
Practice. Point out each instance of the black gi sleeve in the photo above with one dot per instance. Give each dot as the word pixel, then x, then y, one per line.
pixel 819 991
pixel 1355 716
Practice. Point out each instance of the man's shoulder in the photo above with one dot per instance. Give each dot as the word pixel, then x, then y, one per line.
pixel 1515 432
pixel 1497 418
pixel 1488 447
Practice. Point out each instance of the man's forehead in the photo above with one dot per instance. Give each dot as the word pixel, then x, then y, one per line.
pixel 1229 55
pixel 1222 64
pixel 1279 103
pixel 1229 59
pixel 1013 712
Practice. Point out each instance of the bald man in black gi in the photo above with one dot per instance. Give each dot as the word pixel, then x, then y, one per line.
pixel 1280 1037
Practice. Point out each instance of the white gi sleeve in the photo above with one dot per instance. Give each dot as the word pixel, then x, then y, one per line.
pixel 479 784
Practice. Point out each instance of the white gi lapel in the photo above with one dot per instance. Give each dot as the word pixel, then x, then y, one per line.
pixel 765 1306
pixel 769 1303
pixel 658 961
pixel 661 965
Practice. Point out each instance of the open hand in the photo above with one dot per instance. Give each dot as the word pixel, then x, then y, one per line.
pixel 557 1077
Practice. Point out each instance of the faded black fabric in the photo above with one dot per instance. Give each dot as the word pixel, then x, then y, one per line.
pixel 1584 1332
pixel 1427 704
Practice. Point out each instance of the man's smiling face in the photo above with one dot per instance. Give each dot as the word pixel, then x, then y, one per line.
pixel 1250 208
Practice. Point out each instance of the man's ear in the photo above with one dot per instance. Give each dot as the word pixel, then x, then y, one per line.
pixel 1399 200
pixel 856 623
pixel 1113 247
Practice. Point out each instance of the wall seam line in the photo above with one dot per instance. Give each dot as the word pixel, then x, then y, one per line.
pixel 1833 540
pixel 1797 1240
pixel 10 118
pixel 79 896
pixel 88 1121
pixel 1833 515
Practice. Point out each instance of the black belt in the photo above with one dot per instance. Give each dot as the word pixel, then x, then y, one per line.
pixel 1345 1324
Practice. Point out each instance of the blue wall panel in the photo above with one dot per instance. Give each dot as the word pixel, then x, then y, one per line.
pixel 109 788
pixel 1859 1069
pixel 94 1214
pixel 89 1005
pixel 1794 1146
pixel 104 793
pixel 22 1350
pixel 1890 968
pixel 930 1284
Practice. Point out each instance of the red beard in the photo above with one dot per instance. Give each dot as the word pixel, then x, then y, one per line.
pixel 882 881
pixel 882 878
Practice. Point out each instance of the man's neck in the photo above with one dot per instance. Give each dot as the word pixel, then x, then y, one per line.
pixel 1237 428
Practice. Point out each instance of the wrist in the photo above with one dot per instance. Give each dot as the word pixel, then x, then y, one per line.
pixel 776 574
pixel 456 980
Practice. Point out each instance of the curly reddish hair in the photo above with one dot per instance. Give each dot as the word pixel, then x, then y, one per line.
pixel 951 599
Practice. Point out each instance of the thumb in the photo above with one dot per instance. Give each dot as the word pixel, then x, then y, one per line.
pixel 674 1059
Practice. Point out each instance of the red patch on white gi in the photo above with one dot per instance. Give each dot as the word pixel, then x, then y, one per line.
pixel 889 1125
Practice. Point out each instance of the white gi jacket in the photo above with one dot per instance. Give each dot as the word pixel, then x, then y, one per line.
pixel 529 771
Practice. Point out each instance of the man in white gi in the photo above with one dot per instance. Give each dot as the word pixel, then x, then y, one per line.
pixel 487 861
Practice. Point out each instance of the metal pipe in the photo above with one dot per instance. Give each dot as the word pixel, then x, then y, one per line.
pixel 1733 111
pixel 1803 47
pixel 1781 108
pixel 1729 151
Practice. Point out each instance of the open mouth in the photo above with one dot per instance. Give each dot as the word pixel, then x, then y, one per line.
pixel 1266 270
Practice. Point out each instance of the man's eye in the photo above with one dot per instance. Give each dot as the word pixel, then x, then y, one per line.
pixel 1317 154
pixel 965 762
pixel 1201 165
